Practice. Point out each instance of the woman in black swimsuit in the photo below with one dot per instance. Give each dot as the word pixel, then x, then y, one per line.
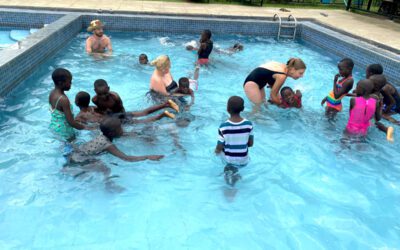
pixel 274 74
pixel 161 81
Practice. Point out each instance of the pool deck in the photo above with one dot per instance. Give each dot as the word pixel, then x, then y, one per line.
pixel 374 28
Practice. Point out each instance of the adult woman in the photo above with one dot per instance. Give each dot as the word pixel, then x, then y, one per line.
pixel 274 74
pixel 161 81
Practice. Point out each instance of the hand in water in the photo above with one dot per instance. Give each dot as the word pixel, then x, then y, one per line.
pixel 155 157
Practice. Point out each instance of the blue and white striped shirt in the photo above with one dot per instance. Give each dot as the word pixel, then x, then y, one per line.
pixel 235 137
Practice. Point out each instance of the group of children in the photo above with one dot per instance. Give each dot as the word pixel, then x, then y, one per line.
pixel 371 97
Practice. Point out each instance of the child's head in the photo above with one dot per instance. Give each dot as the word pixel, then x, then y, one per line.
pixel 378 82
pixel 287 95
pixel 205 35
pixel 345 67
pixel 143 59
pixel 111 127
pixel 238 46
pixel 62 79
pixel 82 99
pixel 296 68
pixel 364 87
pixel 374 69
pixel 101 87
pixel 184 85
pixel 235 105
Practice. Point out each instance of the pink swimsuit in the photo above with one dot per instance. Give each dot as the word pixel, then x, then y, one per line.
pixel 360 115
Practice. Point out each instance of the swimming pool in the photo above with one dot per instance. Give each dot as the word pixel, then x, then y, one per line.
pixel 303 188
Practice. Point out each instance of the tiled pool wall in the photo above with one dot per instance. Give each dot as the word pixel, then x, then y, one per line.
pixel 361 52
pixel 17 64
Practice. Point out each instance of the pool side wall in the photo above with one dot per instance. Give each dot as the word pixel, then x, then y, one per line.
pixel 17 64
pixel 361 52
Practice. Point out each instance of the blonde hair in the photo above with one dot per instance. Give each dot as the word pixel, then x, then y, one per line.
pixel 162 62
pixel 296 63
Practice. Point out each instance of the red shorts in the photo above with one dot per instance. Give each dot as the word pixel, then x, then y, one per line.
pixel 202 61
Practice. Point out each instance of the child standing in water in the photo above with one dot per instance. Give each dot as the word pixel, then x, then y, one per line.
pixel 62 119
pixel 340 87
pixel 205 48
pixel 362 109
pixel 235 137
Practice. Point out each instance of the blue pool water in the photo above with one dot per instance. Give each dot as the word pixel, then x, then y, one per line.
pixel 303 188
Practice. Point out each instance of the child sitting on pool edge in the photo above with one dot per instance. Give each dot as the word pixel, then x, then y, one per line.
pixel 340 87
pixel 235 137
pixel 289 99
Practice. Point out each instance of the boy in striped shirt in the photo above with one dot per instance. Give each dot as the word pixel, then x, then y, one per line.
pixel 235 136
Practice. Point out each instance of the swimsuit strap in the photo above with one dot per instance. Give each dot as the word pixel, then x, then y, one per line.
pixel 55 106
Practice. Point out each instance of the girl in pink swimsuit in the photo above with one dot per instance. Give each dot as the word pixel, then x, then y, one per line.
pixel 362 109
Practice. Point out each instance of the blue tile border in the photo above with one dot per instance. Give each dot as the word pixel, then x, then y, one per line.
pixel 66 25
pixel 361 52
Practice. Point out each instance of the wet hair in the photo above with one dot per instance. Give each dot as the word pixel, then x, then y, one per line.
pixel 207 33
pixel 378 81
pixel 82 99
pixel 109 126
pixel 296 63
pixel 184 82
pixel 238 46
pixel 284 89
pixel 142 56
pixel 161 62
pixel 60 76
pixel 235 105
pixel 366 86
pixel 348 63
pixel 375 69
pixel 100 83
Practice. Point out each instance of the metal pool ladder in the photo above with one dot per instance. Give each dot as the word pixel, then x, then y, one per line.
pixel 291 23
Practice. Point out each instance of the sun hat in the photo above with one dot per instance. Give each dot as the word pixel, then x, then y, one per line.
pixel 95 24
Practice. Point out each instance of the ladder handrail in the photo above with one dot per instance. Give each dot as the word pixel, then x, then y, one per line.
pixel 295 25
pixel 280 24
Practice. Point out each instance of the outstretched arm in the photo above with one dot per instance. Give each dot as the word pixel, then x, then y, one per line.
pixel 274 95
pixel 149 110
pixel 116 152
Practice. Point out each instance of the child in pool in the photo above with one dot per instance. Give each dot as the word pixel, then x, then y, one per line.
pixel 107 102
pixel 143 59
pixel 340 87
pixel 62 119
pixel 111 128
pixel 362 109
pixel 88 114
pixel 205 48
pixel 289 99
pixel 379 81
pixel 235 137
pixel 187 85
pixel 229 51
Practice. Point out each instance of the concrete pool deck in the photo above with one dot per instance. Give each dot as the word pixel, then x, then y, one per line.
pixel 374 28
